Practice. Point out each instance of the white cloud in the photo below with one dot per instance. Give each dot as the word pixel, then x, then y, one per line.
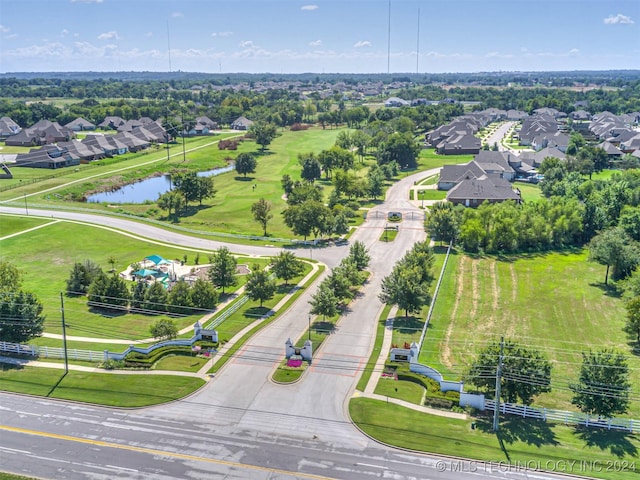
pixel 618 19
pixel 4 29
pixel 574 51
pixel 315 43
pixel 309 7
pixel 221 34
pixel 149 34
pixel 64 32
pixel 87 1
pixel 112 35
pixel 362 43
pixel 177 14
pixel 11 36
pixel 247 44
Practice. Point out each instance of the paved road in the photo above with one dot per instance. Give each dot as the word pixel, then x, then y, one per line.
pixel 497 136
pixel 240 425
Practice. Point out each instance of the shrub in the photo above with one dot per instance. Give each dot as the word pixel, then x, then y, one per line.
pixel 298 126
pixel 438 402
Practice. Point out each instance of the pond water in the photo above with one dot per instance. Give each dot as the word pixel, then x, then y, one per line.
pixel 146 190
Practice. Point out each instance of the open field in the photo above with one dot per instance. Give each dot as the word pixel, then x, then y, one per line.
pixel 555 302
pixel 533 444
pixel 46 255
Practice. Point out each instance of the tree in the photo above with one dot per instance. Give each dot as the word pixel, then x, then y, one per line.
pixel 10 277
pixel 204 188
pixel 259 286
pixel 155 299
pixel 632 327
pixel 525 372
pixel 138 291
pixel 179 298
pixel 443 222
pixel 324 302
pixel 222 272
pixel 359 254
pixel 287 184
pixel 261 211
pixel 264 133
pixel 307 218
pixel 375 183
pixel 403 288
pixel 21 316
pixel 171 201
pixel 109 292
pixel 164 329
pixel 286 266
pixel 603 385
pixel 400 148
pixel 616 250
pixel 310 169
pixel 245 163
pixel 203 295
pixel 187 184
pixel 81 276
pixel 340 223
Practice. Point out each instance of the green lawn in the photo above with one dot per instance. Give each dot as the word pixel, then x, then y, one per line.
pixel 180 363
pixel 407 391
pixel 100 388
pixel 13 224
pixel 554 302
pixel 529 192
pixel 428 159
pixel 520 442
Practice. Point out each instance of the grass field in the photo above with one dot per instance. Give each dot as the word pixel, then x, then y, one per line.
pixel 608 455
pixel 100 388
pixel 46 255
pixel 554 302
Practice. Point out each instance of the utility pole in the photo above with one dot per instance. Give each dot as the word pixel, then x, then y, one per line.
pixel 64 335
pixel 496 412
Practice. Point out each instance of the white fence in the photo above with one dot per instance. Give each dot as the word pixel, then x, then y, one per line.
pixel 562 416
pixel 52 352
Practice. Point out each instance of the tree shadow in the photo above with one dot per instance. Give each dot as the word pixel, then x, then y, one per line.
pixel 516 429
pixel 407 325
pixel 617 442
pixel 255 312
pixel 107 312
pixel 263 153
pixel 191 210
pixel 238 178
pixel 608 289
pixel 5 367
pixel 326 328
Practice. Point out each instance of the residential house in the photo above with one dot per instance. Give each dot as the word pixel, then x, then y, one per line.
pixel 395 102
pixel 80 125
pixel 241 123
pixel 631 145
pixel 132 142
pixel 82 152
pixel 109 145
pixel 472 192
pixel 8 127
pixel 40 133
pixel 496 164
pixel 460 144
pixel 111 123
pixel 613 152
pixel 48 156
pixel 206 121
pixel 451 175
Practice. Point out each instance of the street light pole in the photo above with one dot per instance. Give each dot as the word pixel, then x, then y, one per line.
pixel 422 195
pixel 309 330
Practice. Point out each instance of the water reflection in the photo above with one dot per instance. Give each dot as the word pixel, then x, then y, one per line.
pixel 146 190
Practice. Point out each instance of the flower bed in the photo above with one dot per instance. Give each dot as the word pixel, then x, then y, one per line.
pixel 294 363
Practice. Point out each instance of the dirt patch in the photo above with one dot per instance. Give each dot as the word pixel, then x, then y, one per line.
pixel 475 294
pixel 495 293
pixel 514 283
pixel 446 351
pixel 242 269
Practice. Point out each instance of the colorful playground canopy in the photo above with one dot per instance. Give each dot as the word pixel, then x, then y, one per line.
pixel 145 272
pixel 157 259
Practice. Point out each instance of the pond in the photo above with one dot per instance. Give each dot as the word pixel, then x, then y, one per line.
pixel 146 190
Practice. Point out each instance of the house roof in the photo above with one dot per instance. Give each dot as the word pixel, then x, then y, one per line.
pixel 242 122
pixel 80 122
pixel 483 188
pixel 456 173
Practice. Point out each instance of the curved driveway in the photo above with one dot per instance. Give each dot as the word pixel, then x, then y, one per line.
pixel 240 425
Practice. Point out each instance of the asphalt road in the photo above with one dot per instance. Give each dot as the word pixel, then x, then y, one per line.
pixel 240 425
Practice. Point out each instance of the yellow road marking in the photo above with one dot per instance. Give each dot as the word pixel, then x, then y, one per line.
pixel 152 451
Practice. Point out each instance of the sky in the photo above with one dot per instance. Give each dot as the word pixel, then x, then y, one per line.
pixel 320 36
